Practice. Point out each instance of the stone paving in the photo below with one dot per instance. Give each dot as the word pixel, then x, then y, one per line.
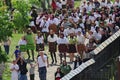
pixel 50 70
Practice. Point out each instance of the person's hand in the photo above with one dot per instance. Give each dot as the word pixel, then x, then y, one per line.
pixel 47 65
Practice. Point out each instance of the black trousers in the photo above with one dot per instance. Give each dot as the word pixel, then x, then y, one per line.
pixel 53 56
pixel 32 76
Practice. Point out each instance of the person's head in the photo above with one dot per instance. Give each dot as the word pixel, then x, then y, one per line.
pixel 14 62
pixel 64 62
pixel 71 34
pixel 29 31
pixel 61 35
pixel 58 69
pixel 51 31
pixel 17 47
pixel 91 40
pixel 39 33
pixel 41 53
pixel 23 38
pixel 79 33
pixel 61 28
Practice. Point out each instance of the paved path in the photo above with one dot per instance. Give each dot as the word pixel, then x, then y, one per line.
pixel 50 70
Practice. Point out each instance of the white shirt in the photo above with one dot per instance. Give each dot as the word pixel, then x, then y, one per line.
pixel 77 30
pixel 39 40
pixel 76 19
pixel 45 26
pixel 41 63
pixel 80 39
pixel 62 40
pixel 68 31
pixel 22 42
pixel 117 4
pixel 38 20
pixel 103 4
pixel 97 36
pixel 14 75
pixel 59 5
pixel 50 39
pixel 64 2
pixel 56 21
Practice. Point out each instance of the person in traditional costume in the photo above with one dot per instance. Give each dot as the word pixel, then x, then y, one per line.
pixel 52 41
pixel 39 40
pixel 22 45
pixel 71 46
pixel 58 74
pixel 30 43
pixel 80 44
pixel 62 46
pixel 45 28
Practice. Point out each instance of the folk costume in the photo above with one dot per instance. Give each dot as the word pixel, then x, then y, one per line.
pixel 22 43
pixel 39 42
pixel 71 46
pixel 52 38
pixel 30 43
pixel 62 46
pixel 80 45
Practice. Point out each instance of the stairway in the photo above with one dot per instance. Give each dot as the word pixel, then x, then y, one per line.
pixel 101 65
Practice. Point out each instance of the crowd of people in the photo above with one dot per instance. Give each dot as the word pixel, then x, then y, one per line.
pixel 65 30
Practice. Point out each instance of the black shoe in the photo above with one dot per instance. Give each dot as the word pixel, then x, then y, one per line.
pixel 55 62
pixel 52 62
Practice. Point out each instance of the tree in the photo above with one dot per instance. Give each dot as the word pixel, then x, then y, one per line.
pixel 6 29
pixel 21 14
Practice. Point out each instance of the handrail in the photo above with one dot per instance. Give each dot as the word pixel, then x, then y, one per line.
pixel 95 52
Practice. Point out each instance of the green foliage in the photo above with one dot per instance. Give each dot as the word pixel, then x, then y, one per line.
pixel 6 29
pixel 21 17
pixel 7 73
pixel 3 57
pixel 35 3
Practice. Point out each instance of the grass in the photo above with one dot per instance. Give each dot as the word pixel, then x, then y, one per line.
pixel 7 74
pixel 14 42
pixel 77 4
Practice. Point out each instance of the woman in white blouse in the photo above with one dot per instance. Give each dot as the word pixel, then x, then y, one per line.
pixel 39 40
pixel 80 44
pixel 22 43
pixel 62 46
pixel 52 39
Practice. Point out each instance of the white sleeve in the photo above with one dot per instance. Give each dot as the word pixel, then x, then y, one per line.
pixel 48 38
pixel 16 67
pixel 67 41
pixel 58 41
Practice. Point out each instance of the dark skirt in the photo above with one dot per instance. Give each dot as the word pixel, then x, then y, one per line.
pixel 81 48
pixel 62 48
pixel 39 47
pixel 63 6
pixel 71 48
pixel 52 47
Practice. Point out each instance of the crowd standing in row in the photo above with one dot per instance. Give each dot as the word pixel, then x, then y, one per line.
pixel 66 29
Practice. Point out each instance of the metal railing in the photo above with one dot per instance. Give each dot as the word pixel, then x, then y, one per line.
pixel 102 65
